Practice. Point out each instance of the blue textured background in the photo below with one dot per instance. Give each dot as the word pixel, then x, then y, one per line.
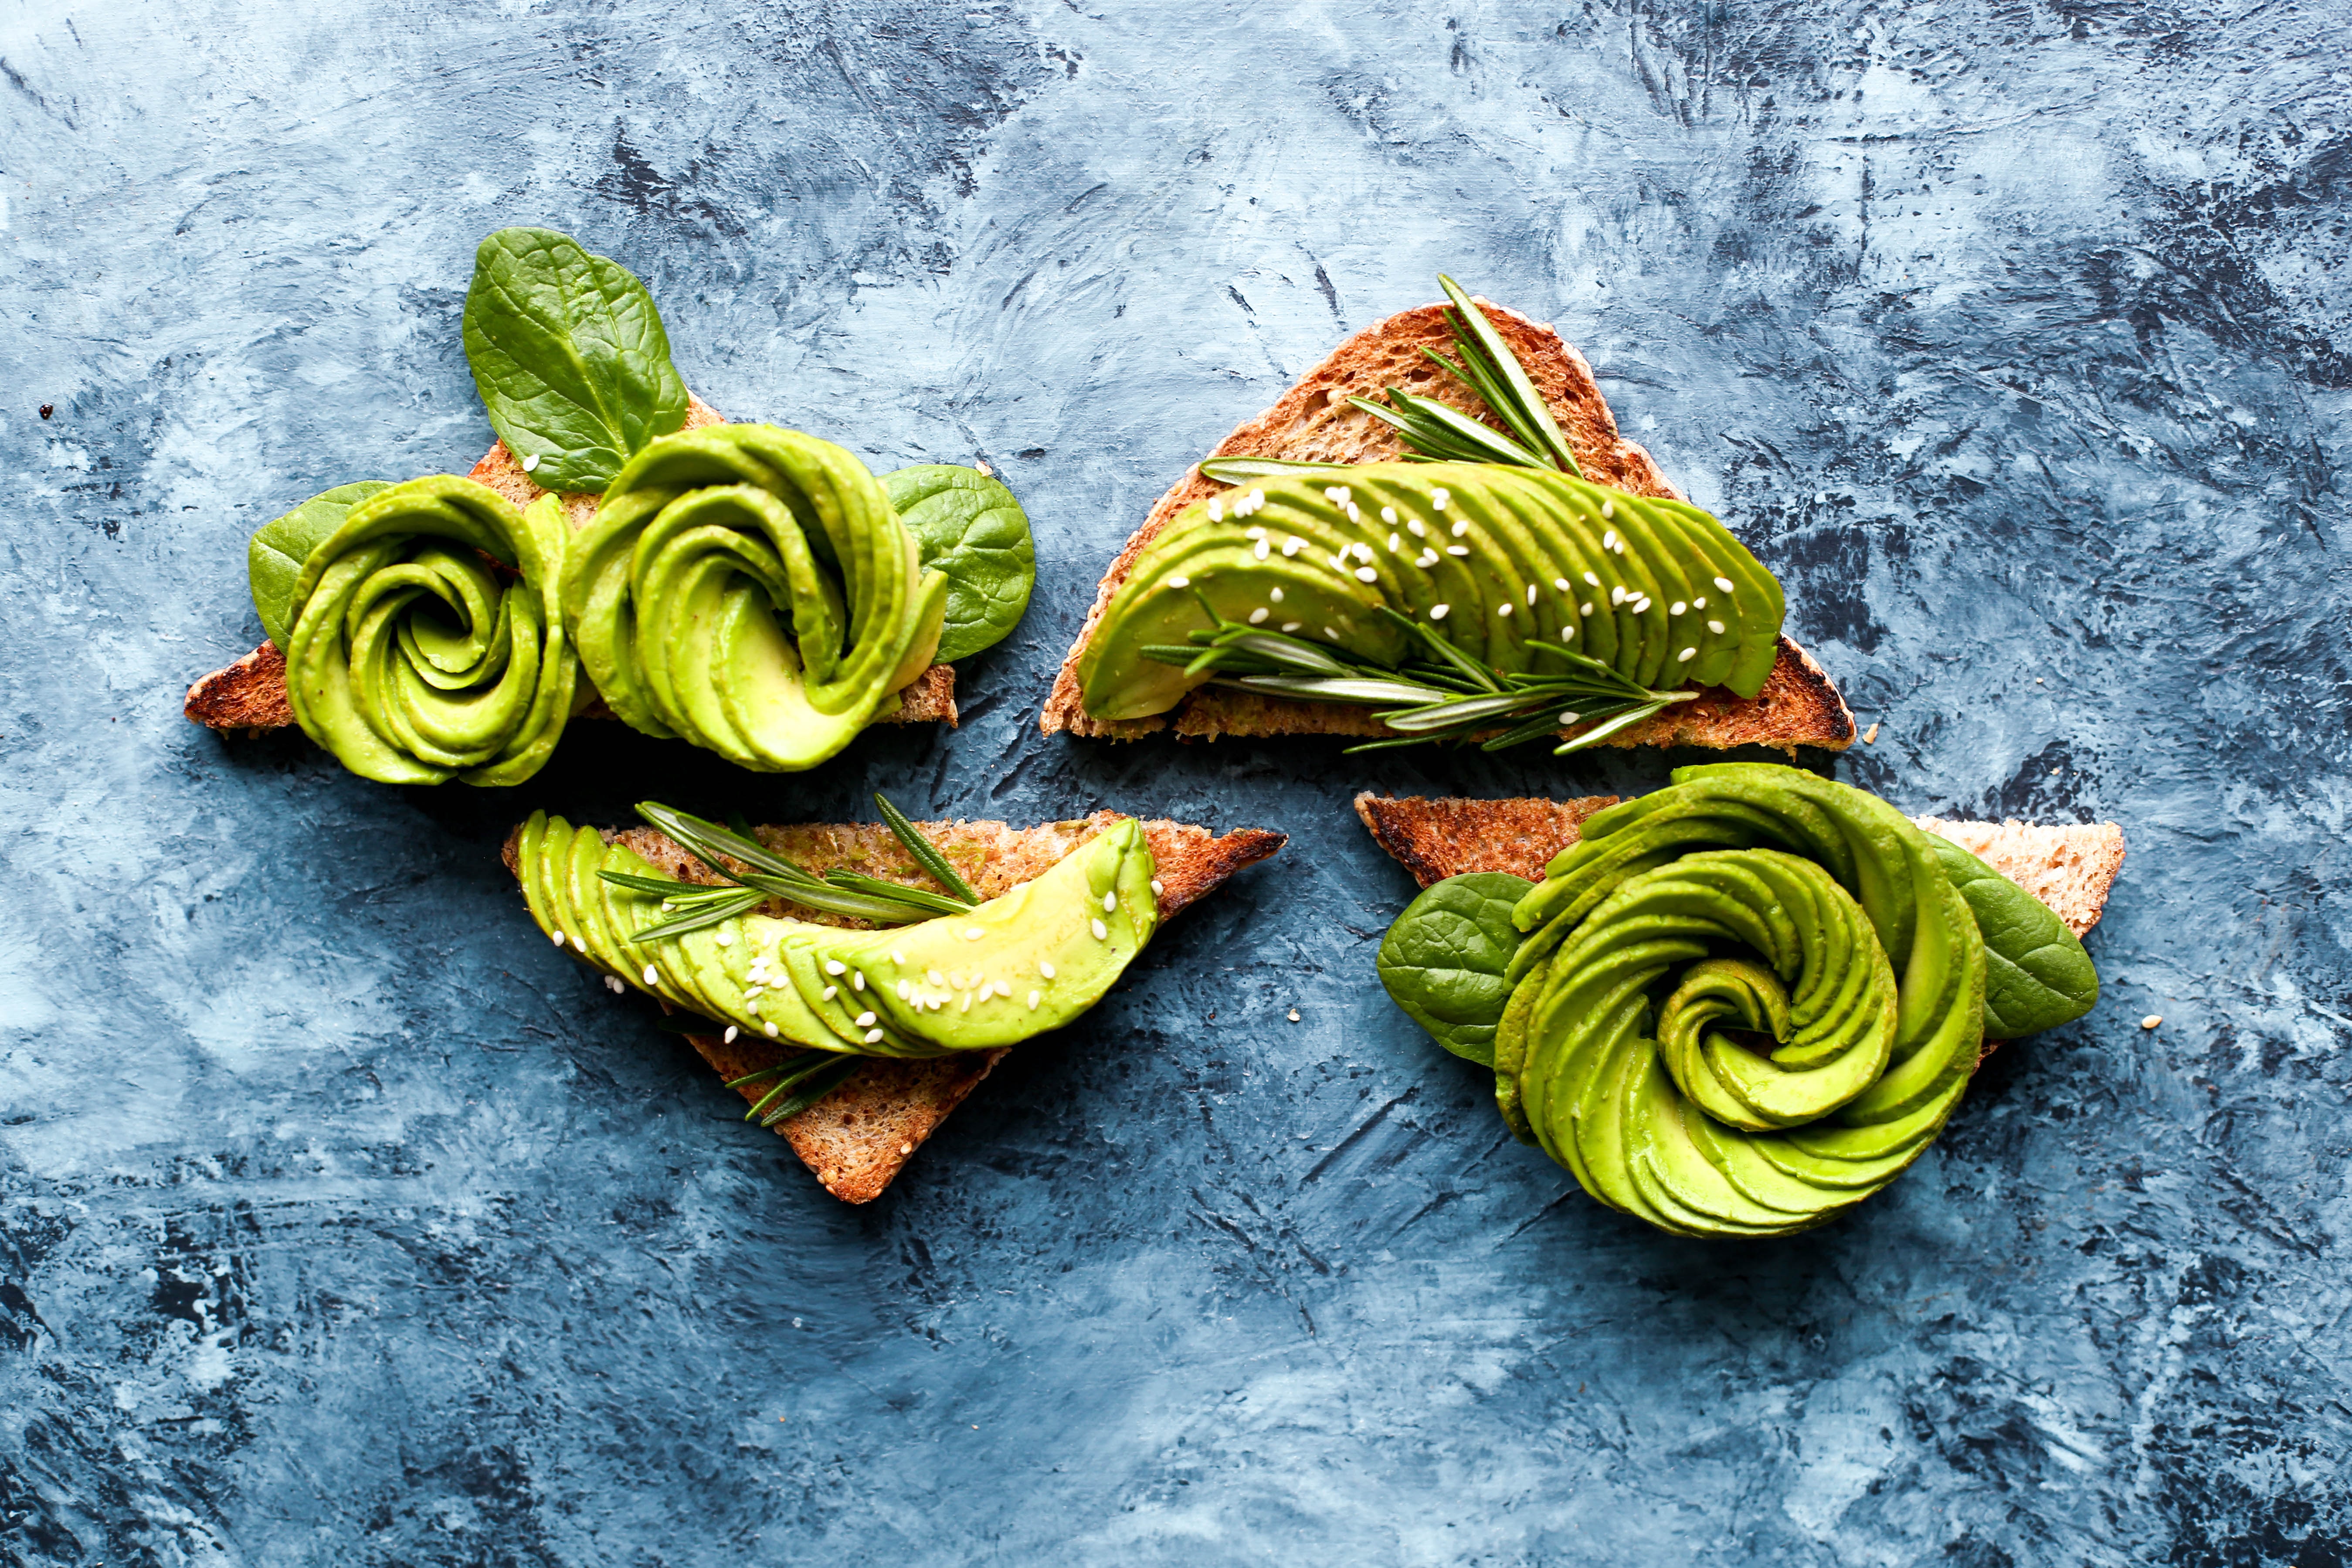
pixel 346 1223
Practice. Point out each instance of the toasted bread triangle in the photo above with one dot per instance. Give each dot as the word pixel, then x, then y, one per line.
pixel 1314 422
pixel 859 1137
pixel 2070 867
pixel 250 696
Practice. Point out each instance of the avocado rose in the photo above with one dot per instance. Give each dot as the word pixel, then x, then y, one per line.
pixel 750 589
pixel 1507 564
pixel 409 653
pixel 1740 1005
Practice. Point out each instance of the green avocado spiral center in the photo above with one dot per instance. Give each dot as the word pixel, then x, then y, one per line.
pixel 1745 1004
pixel 751 589
pixel 414 658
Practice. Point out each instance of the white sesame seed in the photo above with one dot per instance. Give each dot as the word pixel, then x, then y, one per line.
pixel 873 1036
pixel 1260 550
pixel 906 990
pixel 935 977
pixel 729 1037
pixel 1293 545
pixel 828 994
pixel 1045 969
pixel 1715 626
pixel 1156 888
pixel 1110 903
pixel 1687 655
pixel 1699 603
pixel 1329 632
pixel 1217 510
pixel 1642 604
pixel 1460 528
pixel 1396 543
pixel 1334 494
pixel 834 966
pixel 1531 596
pixel 1609 508
pixel 1366 574
pixel 857 980
pixel 1363 551
pixel 1257 616
pixel 973 934
pixel 771 1030
pixel 1426 559
pixel 1275 594
pixel 1617 595
pixel 1413 525
pixel 1257 532
pixel 1504 608
pixel 1609 540
pixel 613 984
pixel 559 938
pixel 1004 989
pixel 579 942
pixel 653 975
pixel 1339 563
pixel 1180 581
pixel 531 463
pixel 1569 717
pixel 1723 583
pixel 1032 1001
pixel 1437 612
pixel 1619 547
pixel 1289 627
pixel 1585 608
pixel 1353 515
pixel 865 1019
pixel 1439 497
pixel 1591 581
pixel 897 957
pixel 1256 500
pixel 1568 629
pixel 1676 608
pixel 1388 515
pixel 1560 584
pixel 1457 549
pixel 1102 931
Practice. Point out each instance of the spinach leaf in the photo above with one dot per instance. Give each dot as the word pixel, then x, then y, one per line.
pixel 2037 976
pixel 977 536
pixel 1443 960
pixel 273 560
pixel 569 356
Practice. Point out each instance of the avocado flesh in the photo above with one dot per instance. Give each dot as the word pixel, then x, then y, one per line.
pixel 770 978
pixel 1524 533
pixel 1870 979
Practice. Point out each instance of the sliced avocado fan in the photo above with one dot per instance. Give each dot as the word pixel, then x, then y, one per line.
pixel 1493 558
pixel 1010 968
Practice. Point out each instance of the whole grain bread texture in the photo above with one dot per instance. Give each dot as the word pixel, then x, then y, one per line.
pixel 2071 868
pixel 859 1137
pixel 249 697
pixel 1314 422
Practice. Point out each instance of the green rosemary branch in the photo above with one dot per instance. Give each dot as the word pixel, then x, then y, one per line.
pixel 796 1083
pixel 927 854
pixel 1438 693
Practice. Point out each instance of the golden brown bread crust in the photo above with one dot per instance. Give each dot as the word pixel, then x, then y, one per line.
pixel 1314 422
pixel 250 696
pixel 2071 868
pixel 859 1137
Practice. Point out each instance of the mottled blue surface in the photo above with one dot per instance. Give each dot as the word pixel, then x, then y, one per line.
pixel 345 1223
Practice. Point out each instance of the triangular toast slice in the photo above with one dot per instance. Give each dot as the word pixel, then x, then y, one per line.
pixel 1314 422
pixel 250 696
pixel 860 1136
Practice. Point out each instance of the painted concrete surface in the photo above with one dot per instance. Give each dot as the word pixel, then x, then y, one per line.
pixel 345 1223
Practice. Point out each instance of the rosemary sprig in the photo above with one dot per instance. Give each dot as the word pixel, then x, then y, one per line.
pixel 796 1083
pixel 697 905
pixel 927 854
pixel 1438 693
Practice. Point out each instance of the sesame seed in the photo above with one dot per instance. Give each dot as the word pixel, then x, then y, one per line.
pixel 2151 1021
pixel 973 934
pixel 906 990
pixel 1110 903
pixel 1396 543
pixel 559 939
pixel 1609 540
pixel 1292 626
pixel 1437 612
pixel 1004 989
pixel 828 994
pixel 1275 594
pixel 1329 632
pixel 1617 595
pixel 1388 515
pixel 1156 888
pixel 1217 510
pixel 1439 497
pixel 1457 549
pixel 897 957
pixel 834 966
pixel 1366 574
pixel 1045 969
pixel 1363 551
pixel 1258 532
pixel 1723 583
pixel 653 976
pixel 857 980
pixel 1102 931
pixel 1619 547
pixel 1180 581
pixel 1293 545
pixel 1334 494
pixel 1585 608
pixel 873 1036
pixel 1676 608
pixel 1260 549
pixel 771 1030
pixel 579 942
pixel 729 1037
pixel 1568 629
pixel 1560 584
pixel 1568 718
pixel 1256 500
pixel 1504 608
pixel 531 464
pixel 1337 563
pixel 613 984
pixel 1353 515
pixel 1460 528
pixel 1412 526
pixel 1426 559
pixel 1715 626
pixel 935 977
pixel 1609 508
pixel 1591 581
pixel 1687 655
pixel 1032 1001
pixel 1257 616
pixel 1642 604
pixel 1531 596
pixel 1699 603
pixel 865 1019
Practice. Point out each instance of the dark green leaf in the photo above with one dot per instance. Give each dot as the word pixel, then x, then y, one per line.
pixel 1443 960
pixel 2037 976
pixel 273 561
pixel 973 533
pixel 570 357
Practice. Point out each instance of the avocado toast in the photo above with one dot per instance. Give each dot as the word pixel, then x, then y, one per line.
pixel 1791 703
pixel 861 1135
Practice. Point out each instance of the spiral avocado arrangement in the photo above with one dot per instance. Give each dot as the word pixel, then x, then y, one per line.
pixel 1740 1005
pixel 423 641
pixel 707 546
pixel 752 590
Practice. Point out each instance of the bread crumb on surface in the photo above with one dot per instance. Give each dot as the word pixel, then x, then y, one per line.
pixel 1870 736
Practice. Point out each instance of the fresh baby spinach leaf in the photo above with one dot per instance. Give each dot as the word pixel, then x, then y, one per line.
pixel 974 535
pixel 1443 960
pixel 2037 976
pixel 274 558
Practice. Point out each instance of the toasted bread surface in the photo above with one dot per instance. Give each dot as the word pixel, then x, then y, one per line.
pixel 859 1137
pixel 1314 422
pixel 250 696
pixel 2069 868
